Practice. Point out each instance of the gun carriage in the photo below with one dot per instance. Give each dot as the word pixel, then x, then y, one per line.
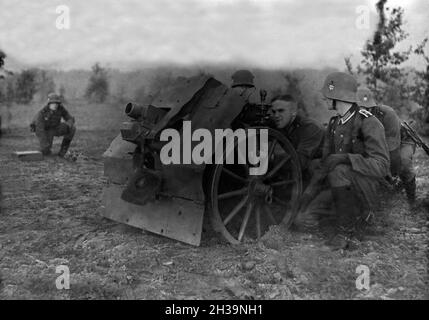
pixel 171 200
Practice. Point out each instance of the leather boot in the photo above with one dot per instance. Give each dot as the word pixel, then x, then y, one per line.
pixel 347 209
pixel 64 147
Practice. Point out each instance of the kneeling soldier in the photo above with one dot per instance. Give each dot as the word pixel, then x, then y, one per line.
pixel 401 147
pixel 355 157
pixel 47 124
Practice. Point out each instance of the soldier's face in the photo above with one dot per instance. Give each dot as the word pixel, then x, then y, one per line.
pixel 283 112
pixel 329 103
pixel 53 106
pixel 342 107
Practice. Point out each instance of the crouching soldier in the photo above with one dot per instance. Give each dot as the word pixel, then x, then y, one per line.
pixel 47 125
pixel 305 134
pixel 401 147
pixel 355 158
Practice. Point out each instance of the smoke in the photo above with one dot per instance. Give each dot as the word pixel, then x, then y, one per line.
pixel 265 34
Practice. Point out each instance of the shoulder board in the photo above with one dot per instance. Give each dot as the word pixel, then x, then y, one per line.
pixel 365 113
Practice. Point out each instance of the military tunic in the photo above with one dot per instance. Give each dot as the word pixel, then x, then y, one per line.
pixel 392 129
pixel 401 147
pixel 306 136
pixel 48 124
pixel 391 123
pixel 49 119
pixel 361 136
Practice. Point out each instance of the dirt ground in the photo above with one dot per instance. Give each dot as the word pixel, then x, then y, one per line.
pixel 50 216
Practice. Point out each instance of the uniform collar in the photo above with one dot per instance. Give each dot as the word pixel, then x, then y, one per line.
pixel 349 114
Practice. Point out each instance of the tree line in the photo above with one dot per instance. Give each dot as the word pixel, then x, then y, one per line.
pixel 382 64
pixel 35 84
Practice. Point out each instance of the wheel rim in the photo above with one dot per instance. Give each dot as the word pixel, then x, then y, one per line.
pixel 244 206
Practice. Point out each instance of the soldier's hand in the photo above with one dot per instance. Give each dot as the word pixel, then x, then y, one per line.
pixel 70 124
pixel 335 159
pixel 33 127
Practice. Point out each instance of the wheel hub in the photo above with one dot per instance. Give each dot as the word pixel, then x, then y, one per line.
pixel 261 190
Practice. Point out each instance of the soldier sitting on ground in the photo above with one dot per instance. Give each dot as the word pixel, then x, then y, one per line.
pixel 305 134
pixel 47 124
pixel 355 160
pixel 401 147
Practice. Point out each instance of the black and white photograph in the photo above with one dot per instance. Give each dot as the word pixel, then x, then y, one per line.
pixel 213 155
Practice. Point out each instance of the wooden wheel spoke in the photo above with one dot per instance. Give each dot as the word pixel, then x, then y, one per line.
pixel 236 209
pixel 279 201
pixel 271 149
pixel 282 183
pixel 281 163
pixel 245 220
pixel 269 214
pixel 231 194
pixel 234 175
pixel 258 222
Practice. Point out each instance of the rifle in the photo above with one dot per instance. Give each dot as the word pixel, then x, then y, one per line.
pixel 414 136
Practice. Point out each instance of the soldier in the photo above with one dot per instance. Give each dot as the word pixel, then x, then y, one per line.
pixel 401 147
pixel 47 124
pixel 355 158
pixel 305 134
pixel 242 80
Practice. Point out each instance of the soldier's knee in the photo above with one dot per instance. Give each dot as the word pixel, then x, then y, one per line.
pixel 340 176
pixel 39 131
pixel 66 131
pixel 72 131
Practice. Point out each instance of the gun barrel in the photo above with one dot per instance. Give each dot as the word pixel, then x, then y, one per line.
pixel 133 110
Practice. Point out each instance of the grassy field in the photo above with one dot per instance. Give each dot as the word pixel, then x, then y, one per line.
pixel 50 216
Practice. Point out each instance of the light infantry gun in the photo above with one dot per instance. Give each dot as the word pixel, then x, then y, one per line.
pixel 171 199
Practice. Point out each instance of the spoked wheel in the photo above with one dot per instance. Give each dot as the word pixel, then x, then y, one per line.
pixel 244 206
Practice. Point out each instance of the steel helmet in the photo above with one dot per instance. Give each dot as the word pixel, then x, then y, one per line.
pixel 54 98
pixel 242 78
pixel 340 86
pixel 365 98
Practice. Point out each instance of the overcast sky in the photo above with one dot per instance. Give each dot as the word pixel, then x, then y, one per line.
pixel 265 33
